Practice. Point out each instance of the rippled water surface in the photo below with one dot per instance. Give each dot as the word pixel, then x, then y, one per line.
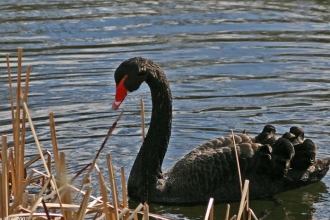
pixel 231 65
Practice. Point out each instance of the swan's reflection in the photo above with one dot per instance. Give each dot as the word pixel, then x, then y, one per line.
pixel 295 204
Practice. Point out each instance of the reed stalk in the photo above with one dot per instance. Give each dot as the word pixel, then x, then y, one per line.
pixel 252 213
pixel 123 213
pixel 4 178
pixel 227 212
pixel 63 180
pixel 56 191
pixel 32 199
pixel 71 207
pixel 234 217
pixel 10 91
pixel 136 210
pixel 1 196
pixel 80 172
pixel 15 123
pixel 243 199
pixel 84 204
pixel 54 143
pixel 113 186
pixel 104 195
pixel 35 159
pixel 210 210
pixel 52 182
pixel 145 211
pixel 237 161
pixel 38 199
pixel 36 215
pixel 13 174
pixel 25 199
pixel 17 140
pixel 25 96
pixel 86 179
pixel 36 139
pixel 124 192
pixel 46 209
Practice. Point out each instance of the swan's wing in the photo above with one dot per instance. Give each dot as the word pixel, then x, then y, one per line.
pixel 212 166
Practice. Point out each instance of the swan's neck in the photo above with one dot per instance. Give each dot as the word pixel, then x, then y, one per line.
pixel 159 132
pixel 147 166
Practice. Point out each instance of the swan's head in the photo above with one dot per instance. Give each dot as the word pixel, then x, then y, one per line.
pixel 129 75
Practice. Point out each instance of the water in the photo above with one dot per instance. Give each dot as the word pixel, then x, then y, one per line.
pixel 231 65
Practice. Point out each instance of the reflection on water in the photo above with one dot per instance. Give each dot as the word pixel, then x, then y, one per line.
pixel 231 65
pixel 297 204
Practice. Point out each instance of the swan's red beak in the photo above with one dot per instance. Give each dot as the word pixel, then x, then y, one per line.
pixel 121 93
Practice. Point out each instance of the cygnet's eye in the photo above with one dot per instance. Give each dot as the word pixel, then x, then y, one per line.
pixel 142 73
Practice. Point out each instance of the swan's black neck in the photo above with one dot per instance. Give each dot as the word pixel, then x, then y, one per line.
pixel 147 166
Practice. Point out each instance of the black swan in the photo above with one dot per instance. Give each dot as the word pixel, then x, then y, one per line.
pixel 272 165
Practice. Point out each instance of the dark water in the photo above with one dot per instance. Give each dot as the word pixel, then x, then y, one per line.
pixel 231 64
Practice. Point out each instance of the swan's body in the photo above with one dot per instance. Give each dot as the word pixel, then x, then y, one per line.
pixel 272 165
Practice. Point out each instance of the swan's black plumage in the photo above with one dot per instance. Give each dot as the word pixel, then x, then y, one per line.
pixel 272 165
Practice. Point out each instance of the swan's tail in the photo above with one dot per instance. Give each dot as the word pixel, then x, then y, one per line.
pixel 304 177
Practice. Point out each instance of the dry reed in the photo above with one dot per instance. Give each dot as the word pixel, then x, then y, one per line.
pixel 210 209
pixel 4 177
pixel 59 203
